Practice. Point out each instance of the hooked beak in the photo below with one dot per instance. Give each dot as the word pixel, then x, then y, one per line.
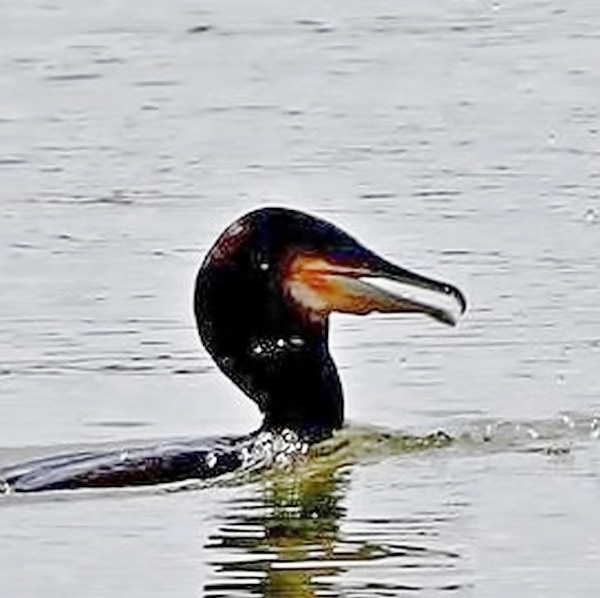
pixel 322 285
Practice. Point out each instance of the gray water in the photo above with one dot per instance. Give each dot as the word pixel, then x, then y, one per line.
pixel 459 139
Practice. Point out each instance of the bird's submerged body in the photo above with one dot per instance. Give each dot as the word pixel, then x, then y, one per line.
pixel 168 462
pixel 262 302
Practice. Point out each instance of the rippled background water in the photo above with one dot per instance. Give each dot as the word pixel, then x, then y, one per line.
pixel 460 139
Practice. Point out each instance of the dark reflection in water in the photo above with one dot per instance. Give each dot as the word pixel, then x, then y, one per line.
pixel 269 545
pixel 293 538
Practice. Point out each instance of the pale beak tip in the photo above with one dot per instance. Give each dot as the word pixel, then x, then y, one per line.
pixel 447 318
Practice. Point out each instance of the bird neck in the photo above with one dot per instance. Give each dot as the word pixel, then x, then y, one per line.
pixel 273 356
pixel 304 394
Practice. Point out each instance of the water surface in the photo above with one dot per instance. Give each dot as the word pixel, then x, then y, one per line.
pixel 460 140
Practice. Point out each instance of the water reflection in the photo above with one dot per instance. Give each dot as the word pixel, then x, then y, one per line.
pixel 283 541
pixel 292 538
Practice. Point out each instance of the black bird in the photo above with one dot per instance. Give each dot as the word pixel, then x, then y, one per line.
pixel 262 302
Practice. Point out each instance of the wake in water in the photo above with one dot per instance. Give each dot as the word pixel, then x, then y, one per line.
pixel 191 463
pixel 552 435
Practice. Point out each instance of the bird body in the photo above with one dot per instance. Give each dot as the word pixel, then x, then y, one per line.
pixel 262 301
